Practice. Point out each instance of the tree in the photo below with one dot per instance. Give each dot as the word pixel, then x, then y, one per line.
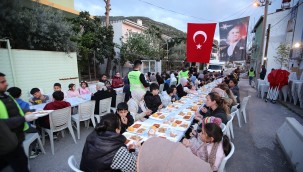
pixel 39 28
pixel 283 55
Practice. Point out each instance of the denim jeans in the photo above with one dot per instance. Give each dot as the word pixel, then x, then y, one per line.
pixel 250 79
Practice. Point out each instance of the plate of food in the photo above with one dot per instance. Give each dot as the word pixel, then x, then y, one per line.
pixel 159 116
pixel 161 130
pixel 133 128
pixel 180 125
pixel 179 102
pixel 42 113
pixel 133 137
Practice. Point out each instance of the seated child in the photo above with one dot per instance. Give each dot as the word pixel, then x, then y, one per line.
pixel 126 118
pixel 211 147
pixel 72 92
pixel 38 98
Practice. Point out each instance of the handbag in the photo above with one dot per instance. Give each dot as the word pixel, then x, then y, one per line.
pixel 8 139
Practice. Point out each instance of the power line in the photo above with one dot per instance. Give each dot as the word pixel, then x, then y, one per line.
pixel 175 11
pixel 245 8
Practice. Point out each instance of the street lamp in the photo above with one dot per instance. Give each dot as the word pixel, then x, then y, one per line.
pixel 297 45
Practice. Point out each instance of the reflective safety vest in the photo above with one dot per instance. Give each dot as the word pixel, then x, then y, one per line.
pixel 134 80
pixel 182 75
pixel 4 113
pixel 251 73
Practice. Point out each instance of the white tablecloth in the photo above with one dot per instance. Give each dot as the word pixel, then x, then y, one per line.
pixel 74 101
pixel 189 101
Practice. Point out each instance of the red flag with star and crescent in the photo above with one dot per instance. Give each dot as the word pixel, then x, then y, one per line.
pixel 199 41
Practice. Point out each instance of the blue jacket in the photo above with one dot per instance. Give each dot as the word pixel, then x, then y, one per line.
pixel 24 105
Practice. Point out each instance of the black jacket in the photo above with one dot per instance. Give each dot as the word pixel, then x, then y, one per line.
pixel 236 92
pixel 180 91
pixel 99 151
pixel 218 113
pixel 152 102
pixel 130 121
pixel 15 121
pixel 100 95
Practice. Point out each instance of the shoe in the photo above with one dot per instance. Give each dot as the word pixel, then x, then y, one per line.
pixel 33 155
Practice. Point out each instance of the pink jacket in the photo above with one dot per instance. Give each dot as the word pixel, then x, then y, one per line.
pixel 73 93
pixel 197 148
pixel 84 91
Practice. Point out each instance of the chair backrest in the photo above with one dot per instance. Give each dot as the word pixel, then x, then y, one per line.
pixel 59 119
pixel 161 87
pixel 234 108
pixel 92 88
pixel 104 106
pixel 223 127
pixel 244 102
pixel 120 98
pixel 86 110
pixel 72 163
pixel 223 162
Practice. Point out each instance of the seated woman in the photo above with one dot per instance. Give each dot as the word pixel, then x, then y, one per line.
pixel 232 100
pixel 72 92
pixel 125 117
pixel 192 89
pixel 105 148
pixel 84 88
pixel 137 107
pixel 214 146
pixel 180 87
pixel 215 107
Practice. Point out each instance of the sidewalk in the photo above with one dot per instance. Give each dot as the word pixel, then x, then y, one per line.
pixel 256 148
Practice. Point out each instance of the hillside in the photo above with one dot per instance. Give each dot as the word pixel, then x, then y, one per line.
pixel 164 28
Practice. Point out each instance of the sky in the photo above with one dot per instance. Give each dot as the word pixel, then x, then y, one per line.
pixel 178 13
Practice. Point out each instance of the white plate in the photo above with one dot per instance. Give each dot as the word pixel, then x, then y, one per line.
pixel 157 118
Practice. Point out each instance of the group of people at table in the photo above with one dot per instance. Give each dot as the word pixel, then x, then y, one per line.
pixel 105 148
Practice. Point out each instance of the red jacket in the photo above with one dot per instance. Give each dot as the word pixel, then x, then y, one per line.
pixel 116 82
pixel 54 106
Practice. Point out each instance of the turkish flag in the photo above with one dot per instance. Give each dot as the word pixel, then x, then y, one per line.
pixel 199 41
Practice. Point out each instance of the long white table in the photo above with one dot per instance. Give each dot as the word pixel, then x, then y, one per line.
pixel 172 115
pixel 74 101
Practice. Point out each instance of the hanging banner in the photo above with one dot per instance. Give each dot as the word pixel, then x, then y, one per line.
pixel 199 42
pixel 233 37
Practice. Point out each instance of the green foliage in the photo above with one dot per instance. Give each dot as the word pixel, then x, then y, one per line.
pixel 147 45
pixel 178 52
pixel 39 28
pixel 92 39
pixel 283 54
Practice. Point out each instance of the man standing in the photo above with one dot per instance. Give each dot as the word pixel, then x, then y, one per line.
pixel 183 74
pixel 136 78
pixel 251 74
pixel 263 72
pixel 12 115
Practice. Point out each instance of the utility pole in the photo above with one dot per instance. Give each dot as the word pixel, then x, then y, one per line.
pixel 266 45
pixel 259 60
pixel 107 9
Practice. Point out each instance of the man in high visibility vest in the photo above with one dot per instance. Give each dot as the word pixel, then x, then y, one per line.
pixel 12 115
pixel 183 74
pixel 251 75
pixel 136 78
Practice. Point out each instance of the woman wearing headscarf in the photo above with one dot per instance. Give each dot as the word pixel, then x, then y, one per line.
pixel 173 78
pixel 180 87
pixel 136 105
pixel 153 79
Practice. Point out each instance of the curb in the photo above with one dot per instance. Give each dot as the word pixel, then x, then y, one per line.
pixel 296 110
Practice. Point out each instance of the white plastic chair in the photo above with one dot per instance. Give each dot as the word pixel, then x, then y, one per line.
pixel 229 129
pixel 119 98
pixel 29 139
pixel 72 163
pixel 224 161
pixel 104 108
pixel 284 91
pixel 85 113
pixel 243 107
pixel 235 109
pixel 92 89
pixel 59 120
pixel 161 87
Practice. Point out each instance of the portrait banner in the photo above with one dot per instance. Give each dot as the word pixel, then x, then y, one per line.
pixel 233 38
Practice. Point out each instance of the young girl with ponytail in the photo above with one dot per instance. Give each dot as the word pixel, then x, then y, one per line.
pixel 105 148
pixel 214 147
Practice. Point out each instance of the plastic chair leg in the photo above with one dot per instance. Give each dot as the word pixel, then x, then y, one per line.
pixel 41 146
pixel 239 118
pixel 62 132
pixel 78 128
pixel 244 115
pixel 51 139
pixel 232 130
pixel 93 121
pixel 70 128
